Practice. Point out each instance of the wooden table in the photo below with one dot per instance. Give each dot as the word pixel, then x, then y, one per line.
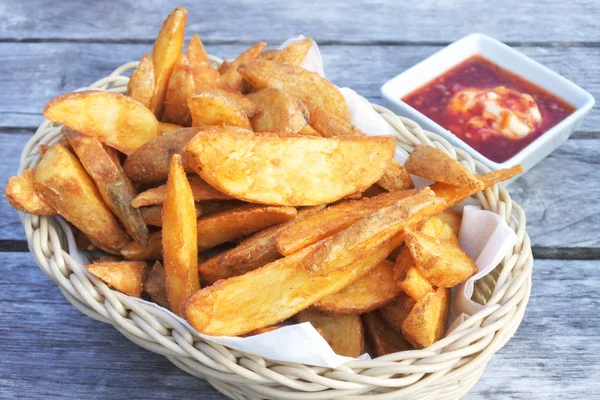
pixel 50 350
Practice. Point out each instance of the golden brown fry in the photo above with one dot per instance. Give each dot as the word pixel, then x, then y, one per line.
pixel 314 90
pixel 152 215
pixel 268 54
pixel 426 323
pixel 154 285
pixel 180 87
pixel 224 67
pixel 328 125
pixel 254 252
pixel 166 50
pixel 106 259
pixel 373 290
pixel 166 127
pixel 453 219
pixel 383 338
pixel 103 166
pixel 293 53
pixel 150 163
pixel 279 112
pixel 433 164
pixel 409 280
pixel 231 77
pixel 200 190
pixel 308 130
pixel 216 107
pixel 287 170
pixel 61 182
pixel 437 228
pixel 115 119
pixel 441 261
pixel 344 333
pixel 179 238
pixel 125 276
pixel 204 73
pixel 396 311
pixel 141 82
pixel 196 51
pixel 136 252
pixel 215 206
pixel 21 194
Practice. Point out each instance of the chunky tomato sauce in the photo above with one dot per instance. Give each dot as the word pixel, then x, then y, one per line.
pixel 499 113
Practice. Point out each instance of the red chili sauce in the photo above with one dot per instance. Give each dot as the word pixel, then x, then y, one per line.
pixel 438 99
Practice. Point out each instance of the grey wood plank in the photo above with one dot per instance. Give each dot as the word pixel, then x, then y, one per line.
pixel 10 153
pixel 48 70
pixel 50 349
pixel 353 21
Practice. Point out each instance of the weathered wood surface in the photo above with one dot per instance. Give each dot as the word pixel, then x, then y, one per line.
pixel 50 350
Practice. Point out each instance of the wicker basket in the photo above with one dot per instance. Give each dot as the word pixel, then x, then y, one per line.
pixel 447 369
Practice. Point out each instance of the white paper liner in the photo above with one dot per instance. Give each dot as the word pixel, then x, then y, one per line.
pixel 313 61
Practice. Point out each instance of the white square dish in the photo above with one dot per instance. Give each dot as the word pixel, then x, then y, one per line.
pixel 508 59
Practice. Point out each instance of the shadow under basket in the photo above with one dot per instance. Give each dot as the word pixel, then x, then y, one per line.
pixel 445 370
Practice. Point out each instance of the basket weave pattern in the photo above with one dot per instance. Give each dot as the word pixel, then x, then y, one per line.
pixel 445 370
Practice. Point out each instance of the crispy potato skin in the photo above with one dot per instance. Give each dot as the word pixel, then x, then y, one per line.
pixel 181 86
pixel 150 163
pixel 293 53
pixel 103 166
pixel 200 190
pixel 152 215
pixel 344 333
pixel 216 107
pixel 382 338
pixel 125 276
pixel 134 251
pixel 115 119
pixel 426 323
pixel 154 285
pixel 230 76
pixel 395 312
pixel 141 82
pixel 372 291
pixel 21 194
pixel 61 181
pixel 166 127
pixel 310 87
pixel 179 238
pixel 287 170
pixel 409 279
pixel 279 112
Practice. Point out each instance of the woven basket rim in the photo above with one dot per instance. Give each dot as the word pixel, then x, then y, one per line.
pixel 447 369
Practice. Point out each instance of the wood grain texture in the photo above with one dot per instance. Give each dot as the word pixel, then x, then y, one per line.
pixel 355 21
pixel 48 70
pixel 45 340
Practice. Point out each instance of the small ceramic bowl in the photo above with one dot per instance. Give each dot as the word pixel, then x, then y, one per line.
pixel 509 59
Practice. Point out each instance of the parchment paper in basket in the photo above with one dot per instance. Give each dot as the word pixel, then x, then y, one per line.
pixel 313 60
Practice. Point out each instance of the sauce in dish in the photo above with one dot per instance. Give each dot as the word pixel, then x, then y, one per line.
pixel 493 110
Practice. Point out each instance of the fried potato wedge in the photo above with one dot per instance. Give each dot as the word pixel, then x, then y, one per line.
pixel 133 251
pixel 141 82
pixel 20 193
pixel 103 166
pixel 154 285
pixel 426 322
pixel 328 125
pixel 179 238
pixel 409 279
pixel 62 183
pixel 310 87
pixel 180 87
pixel 371 291
pixel 200 190
pixel 396 311
pixel 332 220
pixel 279 112
pixel 204 73
pixel 309 131
pixel 231 77
pixel 150 163
pixel 453 219
pixel 114 119
pixel 268 54
pixel 288 170
pixel 125 276
pixel 166 127
pixel 152 215
pixel 433 164
pixel 165 52
pixel 293 53
pixel 106 259
pixel 344 333
pixel 437 228
pixel 217 107
pixel 256 251
pixel 382 338
pixel 224 67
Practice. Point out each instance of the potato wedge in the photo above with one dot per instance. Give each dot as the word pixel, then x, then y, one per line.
pixel 125 276
pixel 215 206
pixel 152 215
pixel 166 50
pixel 382 338
pixel 288 170
pixel 217 107
pixel 433 164
pixel 409 279
pixel 310 87
pixel 200 190
pixel 62 183
pixel 279 112
pixel 426 323
pixel 309 131
pixel 114 119
pixel 204 73
pixel 180 87
pixel 196 52
pixel 166 127
pixel 344 333
pixel 453 219
pixel 154 285
pixel 328 125
pixel 179 238
pixel 106 259
pixel 396 311
pixel 231 77
pixel 224 67
pixel 21 194
pixel 103 166
pixel 372 291
pixel 256 251
pixel 437 228
pixel 133 251
pixel 141 82
pixel 150 163
pixel 293 53
pixel 268 54
pixel 441 261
